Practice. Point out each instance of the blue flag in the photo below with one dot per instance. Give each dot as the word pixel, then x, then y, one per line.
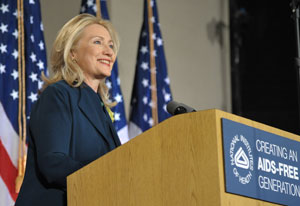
pixel 112 82
pixel 141 100
pixel 35 63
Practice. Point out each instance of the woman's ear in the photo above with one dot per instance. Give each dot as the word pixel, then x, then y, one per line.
pixel 73 55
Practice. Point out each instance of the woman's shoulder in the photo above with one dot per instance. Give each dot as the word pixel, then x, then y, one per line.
pixel 61 88
pixel 61 85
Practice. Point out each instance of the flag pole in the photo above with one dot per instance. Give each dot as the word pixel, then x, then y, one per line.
pixel 152 66
pixel 24 154
pixel 98 4
pixel 18 181
pixel 22 99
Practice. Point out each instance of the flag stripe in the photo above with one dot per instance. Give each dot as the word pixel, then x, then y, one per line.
pixel 8 172
pixel 123 134
pixel 5 197
pixel 9 137
pixel 134 130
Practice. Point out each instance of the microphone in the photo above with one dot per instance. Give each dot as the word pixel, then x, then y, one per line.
pixel 175 108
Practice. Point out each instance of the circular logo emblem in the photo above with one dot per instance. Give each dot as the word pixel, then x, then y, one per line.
pixel 241 159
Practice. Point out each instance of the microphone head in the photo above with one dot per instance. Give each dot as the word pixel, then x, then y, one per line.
pixel 171 106
pixel 175 108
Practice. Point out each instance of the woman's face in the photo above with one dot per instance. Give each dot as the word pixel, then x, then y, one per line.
pixel 94 52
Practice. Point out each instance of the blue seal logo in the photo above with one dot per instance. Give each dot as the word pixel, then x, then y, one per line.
pixel 241 159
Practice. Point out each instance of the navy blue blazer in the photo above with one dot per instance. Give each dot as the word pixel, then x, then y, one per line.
pixel 68 129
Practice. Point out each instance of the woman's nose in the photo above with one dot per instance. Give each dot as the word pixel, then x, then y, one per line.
pixel 108 51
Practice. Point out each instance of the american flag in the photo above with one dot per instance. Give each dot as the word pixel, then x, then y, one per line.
pixel 142 102
pixel 35 63
pixel 112 82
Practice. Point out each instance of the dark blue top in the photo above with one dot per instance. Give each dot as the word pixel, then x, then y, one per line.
pixel 69 128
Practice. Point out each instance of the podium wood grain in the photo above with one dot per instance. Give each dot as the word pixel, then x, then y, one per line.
pixel 178 162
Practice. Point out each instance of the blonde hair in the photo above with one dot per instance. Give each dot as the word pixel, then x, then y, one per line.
pixel 62 65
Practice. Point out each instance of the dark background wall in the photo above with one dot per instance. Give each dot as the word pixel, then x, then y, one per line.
pixel 263 48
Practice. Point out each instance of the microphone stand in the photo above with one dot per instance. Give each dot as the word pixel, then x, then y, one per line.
pixel 296 15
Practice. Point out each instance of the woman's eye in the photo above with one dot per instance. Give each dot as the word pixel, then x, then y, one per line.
pixel 111 46
pixel 97 42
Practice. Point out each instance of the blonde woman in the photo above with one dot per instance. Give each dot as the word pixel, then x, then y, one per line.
pixel 69 125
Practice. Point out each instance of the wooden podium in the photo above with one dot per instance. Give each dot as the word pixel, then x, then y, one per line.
pixel 178 162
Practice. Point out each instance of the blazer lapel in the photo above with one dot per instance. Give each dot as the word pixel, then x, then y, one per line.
pixel 115 135
pixel 113 130
pixel 86 106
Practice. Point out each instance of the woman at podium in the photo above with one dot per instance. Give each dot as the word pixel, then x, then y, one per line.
pixel 70 125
